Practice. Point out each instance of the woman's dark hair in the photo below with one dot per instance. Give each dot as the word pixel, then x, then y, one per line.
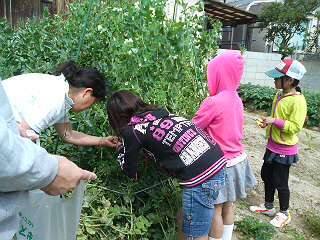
pixel 84 78
pixel 122 105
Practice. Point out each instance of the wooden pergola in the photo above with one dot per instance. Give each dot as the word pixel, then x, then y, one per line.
pixel 228 15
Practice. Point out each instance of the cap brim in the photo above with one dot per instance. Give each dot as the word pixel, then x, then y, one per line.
pixel 273 73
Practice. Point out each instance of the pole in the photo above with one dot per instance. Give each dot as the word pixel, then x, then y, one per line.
pixel 10 13
pixel 231 41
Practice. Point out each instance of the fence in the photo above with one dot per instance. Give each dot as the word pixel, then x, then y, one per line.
pixel 16 10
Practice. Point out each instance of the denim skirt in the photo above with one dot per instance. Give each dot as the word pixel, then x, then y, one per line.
pixel 198 205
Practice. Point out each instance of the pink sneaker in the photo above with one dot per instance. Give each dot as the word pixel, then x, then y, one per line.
pixel 280 220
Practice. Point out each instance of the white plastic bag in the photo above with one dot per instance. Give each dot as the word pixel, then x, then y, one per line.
pixel 51 218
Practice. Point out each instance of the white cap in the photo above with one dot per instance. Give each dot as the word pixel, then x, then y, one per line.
pixel 289 67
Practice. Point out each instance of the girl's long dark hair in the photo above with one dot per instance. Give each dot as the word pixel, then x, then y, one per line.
pixel 122 106
pixel 84 78
pixel 294 84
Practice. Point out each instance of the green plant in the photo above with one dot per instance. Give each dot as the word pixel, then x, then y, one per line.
pixel 137 48
pixel 293 233
pixel 243 48
pixel 253 228
pixel 256 97
pixel 313 102
pixel 313 221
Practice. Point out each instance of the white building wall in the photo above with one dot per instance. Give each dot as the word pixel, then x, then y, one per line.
pixel 257 63
pixel 311 80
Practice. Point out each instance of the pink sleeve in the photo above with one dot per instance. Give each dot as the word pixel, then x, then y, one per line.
pixel 279 123
pixel 205 114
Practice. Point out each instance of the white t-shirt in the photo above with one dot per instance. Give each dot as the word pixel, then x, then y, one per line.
pixel 39 99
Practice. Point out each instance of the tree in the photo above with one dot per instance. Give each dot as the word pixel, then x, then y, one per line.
pixel 283 20
pixel 312 38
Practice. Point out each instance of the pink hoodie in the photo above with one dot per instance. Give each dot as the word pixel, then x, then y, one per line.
pixel 221 114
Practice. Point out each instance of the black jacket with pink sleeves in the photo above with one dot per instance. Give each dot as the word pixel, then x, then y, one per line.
pixel 177 145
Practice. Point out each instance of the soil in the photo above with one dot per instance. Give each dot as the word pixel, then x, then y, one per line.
pixel 304 181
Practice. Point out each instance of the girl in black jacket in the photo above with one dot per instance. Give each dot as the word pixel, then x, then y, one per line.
pixel 178 147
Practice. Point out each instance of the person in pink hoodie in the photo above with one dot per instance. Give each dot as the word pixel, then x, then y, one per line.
pixel 221 116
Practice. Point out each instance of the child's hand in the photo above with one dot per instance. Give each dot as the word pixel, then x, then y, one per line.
pixel 265 121
pixel 261 123
pixel 268 120
pixel 147 157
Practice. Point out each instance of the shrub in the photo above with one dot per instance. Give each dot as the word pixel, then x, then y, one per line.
pixel 257 97
pixel 313 221
pixel 252 228
pixel 137 48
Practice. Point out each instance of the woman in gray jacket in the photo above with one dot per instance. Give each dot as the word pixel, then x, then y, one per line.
pixel 22 169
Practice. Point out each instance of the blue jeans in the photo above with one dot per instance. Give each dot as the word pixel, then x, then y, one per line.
pixel 198 205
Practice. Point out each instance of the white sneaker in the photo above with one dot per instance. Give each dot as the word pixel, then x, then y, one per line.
pixel 262 209
pixel 280 220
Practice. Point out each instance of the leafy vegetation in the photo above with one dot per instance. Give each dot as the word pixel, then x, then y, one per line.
pixel 292 233
pixel 257 97
pixel 252 228
pixel 283 20
pixel 260 98
pixel 313 221
pixel 137 48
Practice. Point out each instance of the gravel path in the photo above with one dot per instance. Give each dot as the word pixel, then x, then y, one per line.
pixel 304 179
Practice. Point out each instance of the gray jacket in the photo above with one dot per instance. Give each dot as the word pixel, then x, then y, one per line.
pixel 23 166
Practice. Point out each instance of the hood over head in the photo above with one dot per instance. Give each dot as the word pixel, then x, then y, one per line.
pixel 225 72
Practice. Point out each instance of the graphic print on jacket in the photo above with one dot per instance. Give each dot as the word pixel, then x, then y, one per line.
pixel 177 145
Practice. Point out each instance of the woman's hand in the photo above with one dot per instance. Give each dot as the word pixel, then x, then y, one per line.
pixel 110 141
pixel 27 132
pixel 68 177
